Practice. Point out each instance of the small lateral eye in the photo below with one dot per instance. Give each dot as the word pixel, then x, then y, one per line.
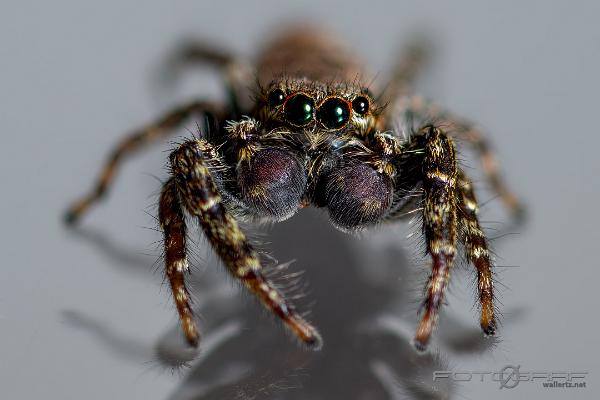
pixel 299 109
pixel 276 97
pixel 360 105
pixel 334 113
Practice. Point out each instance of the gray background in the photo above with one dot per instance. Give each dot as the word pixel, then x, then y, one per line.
pixel 82 312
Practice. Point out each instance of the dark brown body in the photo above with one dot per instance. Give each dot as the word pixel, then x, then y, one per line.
pixel 314 134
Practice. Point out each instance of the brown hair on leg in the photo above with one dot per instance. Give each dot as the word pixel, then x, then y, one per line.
pixel 172 221
pixel 477 252
pixel 439 223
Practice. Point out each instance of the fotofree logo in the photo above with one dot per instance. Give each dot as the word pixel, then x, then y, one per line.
pixel 511 376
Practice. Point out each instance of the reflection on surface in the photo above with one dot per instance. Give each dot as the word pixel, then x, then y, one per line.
pixel 358 295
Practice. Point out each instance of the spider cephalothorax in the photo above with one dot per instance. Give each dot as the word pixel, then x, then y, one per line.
pixel 315 136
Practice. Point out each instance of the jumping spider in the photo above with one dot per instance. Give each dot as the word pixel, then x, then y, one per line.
pixel 315 136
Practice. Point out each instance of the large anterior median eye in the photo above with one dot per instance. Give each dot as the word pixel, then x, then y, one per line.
pixel 299 109
pixel 334 113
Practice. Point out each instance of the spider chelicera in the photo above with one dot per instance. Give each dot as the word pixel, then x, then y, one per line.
pixel 314 135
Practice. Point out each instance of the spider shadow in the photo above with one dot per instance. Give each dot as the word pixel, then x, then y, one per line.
pixel 122 257
pixel 358 310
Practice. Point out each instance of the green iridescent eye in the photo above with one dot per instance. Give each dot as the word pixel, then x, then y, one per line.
pixel 299 109
pixel 334 113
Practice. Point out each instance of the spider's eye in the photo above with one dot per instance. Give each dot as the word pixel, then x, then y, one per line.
pixel 299 109
pixel 360 105
pixel 334 113
pixel 276 97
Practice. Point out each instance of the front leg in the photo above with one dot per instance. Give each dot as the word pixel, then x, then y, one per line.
pixel 172 222
pixel 412 111
pixel 200 196
pixel 439 223
pixel 476 250
pixel 132 143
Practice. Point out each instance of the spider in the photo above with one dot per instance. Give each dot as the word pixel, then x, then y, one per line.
pixel 314 134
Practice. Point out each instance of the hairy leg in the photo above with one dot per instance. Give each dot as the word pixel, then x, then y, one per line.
pixel 172 221
pixel 200 196
pixel 477 252
pixel 133 142
pixel 409 64
pixel 439 223
pixel 236 73
pixel 411 111
pixel 471 134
